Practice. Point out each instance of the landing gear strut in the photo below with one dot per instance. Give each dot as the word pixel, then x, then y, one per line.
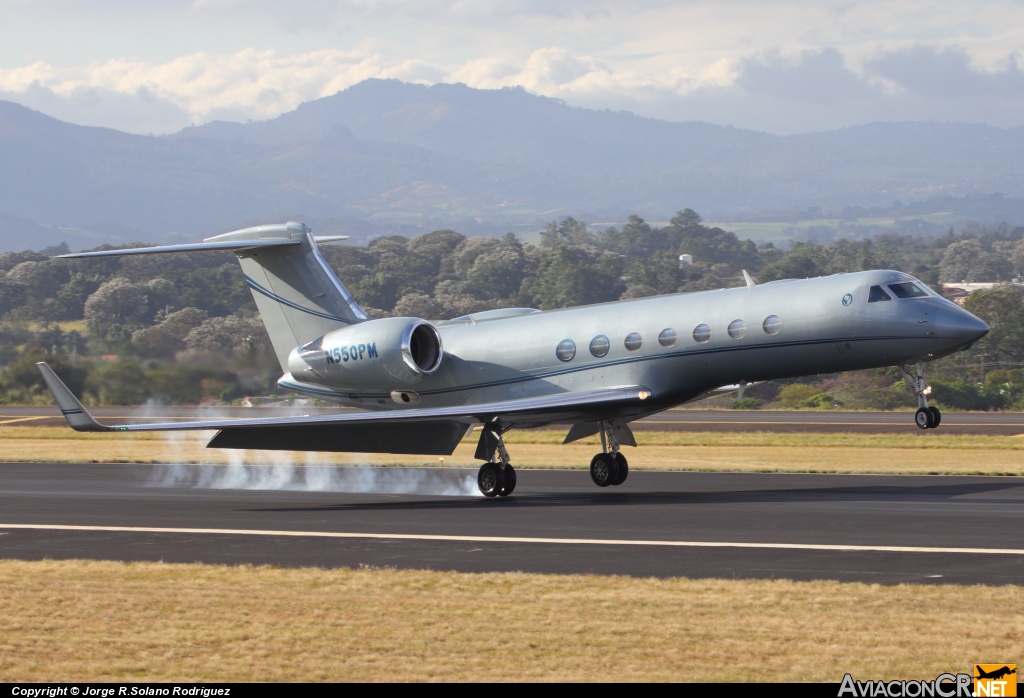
pixel 495 478
pixel 610 466
pixel 926 417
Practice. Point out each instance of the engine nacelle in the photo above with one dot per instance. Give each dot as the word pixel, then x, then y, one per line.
pixel 383 354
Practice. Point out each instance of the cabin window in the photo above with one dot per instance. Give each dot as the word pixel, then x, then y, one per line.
pixel 772 324
pixel 701 333
pixel 737 328
pixel 907 290
pixel 633 341
pixel 566 350
pixel 878 293
pixel 599 345
pixel 667 337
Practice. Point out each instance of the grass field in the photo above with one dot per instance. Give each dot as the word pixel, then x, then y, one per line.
pixel 111 621
pixel 108 621
pixel 912 453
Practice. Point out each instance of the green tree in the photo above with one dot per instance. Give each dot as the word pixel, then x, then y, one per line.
pixel 569 276
pixel 117 303
pixel 120 383
pixel 803 261
pixel 568 232
pixel 12 295
pixel 69 302
pixel 1003 309
pixel 22 380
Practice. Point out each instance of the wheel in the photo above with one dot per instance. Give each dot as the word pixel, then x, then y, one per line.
pixel 923 418
pixel 936 417
pixel 620 460
pixel 603 470
pixel 490 480
pixel 510 481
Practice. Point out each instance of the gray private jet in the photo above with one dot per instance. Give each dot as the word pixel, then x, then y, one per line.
pixel 424 385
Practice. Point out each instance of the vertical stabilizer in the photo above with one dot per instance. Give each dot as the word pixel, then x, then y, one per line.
pixel 297 294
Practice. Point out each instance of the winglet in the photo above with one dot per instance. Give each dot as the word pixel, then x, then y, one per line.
pixel 748 279
pixel 78 418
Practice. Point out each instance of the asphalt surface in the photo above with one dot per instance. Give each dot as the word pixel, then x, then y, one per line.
pixel 981 423
pixel 656 524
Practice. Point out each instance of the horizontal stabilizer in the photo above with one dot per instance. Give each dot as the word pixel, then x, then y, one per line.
pixel 190 247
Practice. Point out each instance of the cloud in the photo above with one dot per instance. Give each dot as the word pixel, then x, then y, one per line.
pixel 198 87
pixel 818 90
pixel 813 77
pixel 769 90
pixel 138 111
pixel 945 73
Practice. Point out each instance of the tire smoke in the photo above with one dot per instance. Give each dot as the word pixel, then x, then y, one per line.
pixel 317 478
pixel 281 470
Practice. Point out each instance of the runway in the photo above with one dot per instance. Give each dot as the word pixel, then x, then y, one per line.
pixel 781 421
pixel 884 529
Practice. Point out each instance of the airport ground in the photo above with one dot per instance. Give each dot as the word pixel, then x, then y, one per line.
pixel 752 574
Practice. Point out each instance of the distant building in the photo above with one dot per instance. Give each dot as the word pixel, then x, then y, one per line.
pixel 685 260
pixel 958 293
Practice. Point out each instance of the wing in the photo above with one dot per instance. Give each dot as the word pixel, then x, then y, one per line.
pixel 413 430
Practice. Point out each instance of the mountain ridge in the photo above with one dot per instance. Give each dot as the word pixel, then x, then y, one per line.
pixel 416 157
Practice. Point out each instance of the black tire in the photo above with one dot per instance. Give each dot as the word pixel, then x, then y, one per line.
pixel 620 460
pixel 936 417
pixel 490 480
pixel 923 418
pixel 510 481
pixel 603 470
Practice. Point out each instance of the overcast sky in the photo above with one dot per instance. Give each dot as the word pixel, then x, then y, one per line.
pixel 785 66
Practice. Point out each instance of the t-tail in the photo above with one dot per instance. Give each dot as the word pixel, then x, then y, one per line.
pixel 297 294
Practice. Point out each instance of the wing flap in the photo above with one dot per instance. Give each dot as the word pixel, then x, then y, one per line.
pixel 437 438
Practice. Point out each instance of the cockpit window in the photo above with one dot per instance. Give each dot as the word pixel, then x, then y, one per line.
pixel 907 290
pixel 878 293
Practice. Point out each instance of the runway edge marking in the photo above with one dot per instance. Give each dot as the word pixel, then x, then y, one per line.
pixel 501 539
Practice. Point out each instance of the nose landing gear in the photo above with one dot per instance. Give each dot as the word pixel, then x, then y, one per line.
pixel 495 479
pixel 926 417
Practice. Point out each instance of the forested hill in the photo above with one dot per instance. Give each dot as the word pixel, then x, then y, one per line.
pixel 181 328
pixel 396 154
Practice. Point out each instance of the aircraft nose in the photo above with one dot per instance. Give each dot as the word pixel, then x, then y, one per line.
pixel 957 323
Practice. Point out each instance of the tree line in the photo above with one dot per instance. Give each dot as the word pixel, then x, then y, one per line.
pixel 183 328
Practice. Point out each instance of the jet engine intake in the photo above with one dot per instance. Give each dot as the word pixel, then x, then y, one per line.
pixel 386 354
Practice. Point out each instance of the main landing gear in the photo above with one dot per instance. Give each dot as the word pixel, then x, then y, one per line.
pixel 495 479
pixel 926 417
pixel 610 466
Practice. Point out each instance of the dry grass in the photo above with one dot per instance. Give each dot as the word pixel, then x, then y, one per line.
pixel 911 453
pixel 109 621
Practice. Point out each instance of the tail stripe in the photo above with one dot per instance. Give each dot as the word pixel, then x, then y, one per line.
pixel 284 301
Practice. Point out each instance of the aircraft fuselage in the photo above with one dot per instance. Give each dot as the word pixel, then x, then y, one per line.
pixel 681 346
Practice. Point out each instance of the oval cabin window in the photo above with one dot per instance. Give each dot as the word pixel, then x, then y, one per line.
pixel 701 333
pixel 566 350
pixel 633 341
